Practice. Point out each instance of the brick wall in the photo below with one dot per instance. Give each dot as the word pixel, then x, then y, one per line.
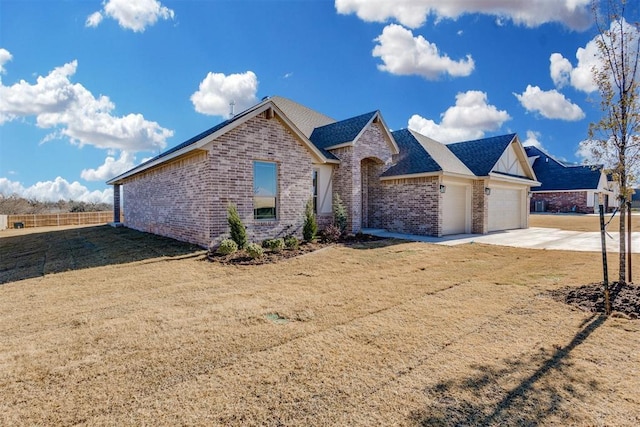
pixel 479 208
pixel 187 199
pixel 574 201
pixel 172 200
pixel 347 180
pixel 407 206
pixel 232 159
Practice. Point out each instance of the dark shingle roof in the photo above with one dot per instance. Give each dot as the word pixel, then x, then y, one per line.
pixel 340 132
pixel 556 176
pixel 413 158
pixel 481 155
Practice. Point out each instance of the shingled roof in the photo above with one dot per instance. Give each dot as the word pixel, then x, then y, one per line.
pixel 304 118
pixel 481 155
pixel 340 132
pixel 413 158
pixel 420 154
pixel 556 176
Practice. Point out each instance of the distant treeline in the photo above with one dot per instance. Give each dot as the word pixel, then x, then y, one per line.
pixel 14 205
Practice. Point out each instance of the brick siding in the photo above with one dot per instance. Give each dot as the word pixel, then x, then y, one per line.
pixel 407 206
pixel 186 199
pixel 479 208
pixel 171 200
pixel 372 147
pixel 570 201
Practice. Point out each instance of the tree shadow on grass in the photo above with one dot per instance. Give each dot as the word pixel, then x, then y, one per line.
pixel 38 253
pixel 480 401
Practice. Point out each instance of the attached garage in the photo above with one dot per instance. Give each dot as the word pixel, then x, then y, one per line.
pixel 456 209
pixel 506 208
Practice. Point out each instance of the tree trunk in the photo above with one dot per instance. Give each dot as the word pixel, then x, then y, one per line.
pixel 622 276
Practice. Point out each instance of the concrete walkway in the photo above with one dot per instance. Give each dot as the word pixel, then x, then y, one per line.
pixel 532 238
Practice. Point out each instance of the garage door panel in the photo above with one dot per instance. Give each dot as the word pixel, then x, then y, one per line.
pixel 505 209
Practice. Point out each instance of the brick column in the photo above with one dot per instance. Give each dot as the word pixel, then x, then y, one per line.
pixel 116 203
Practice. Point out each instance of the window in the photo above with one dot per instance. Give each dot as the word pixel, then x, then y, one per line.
pixel 265 190
pixel 315 191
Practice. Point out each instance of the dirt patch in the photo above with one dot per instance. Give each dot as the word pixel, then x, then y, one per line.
pixel 625 298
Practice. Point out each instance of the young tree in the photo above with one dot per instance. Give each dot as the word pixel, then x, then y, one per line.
pixel 614 138
pixel 236 227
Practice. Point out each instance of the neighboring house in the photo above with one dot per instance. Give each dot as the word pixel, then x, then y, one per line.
pixel 568 188
pixel 273 158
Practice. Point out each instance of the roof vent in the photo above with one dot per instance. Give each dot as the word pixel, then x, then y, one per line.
pixel 231 105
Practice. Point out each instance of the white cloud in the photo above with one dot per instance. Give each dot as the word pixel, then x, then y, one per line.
pixel 216 92
pixel 533 139
pixel 5 56
pixel 404 54
pixel 110 168
pixel 575 14
pixel 94 19
pixel 563 73
pixel 469 119
pixel 560 69
pixel 135 15
pixel 74 112
pixel 551 104
pixel 58 189
pixel 581 76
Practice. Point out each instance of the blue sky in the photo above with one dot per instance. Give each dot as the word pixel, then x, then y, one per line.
pixel 89 89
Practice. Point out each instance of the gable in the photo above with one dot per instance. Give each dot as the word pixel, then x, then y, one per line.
pixel 481 155
pixel 510 163
pixel 266 108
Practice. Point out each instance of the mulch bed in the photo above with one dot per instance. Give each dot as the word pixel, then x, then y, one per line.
pixel 270 257
pixel 625 298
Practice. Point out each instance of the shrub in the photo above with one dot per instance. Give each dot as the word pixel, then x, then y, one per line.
pixel 276 245
pixel 227 246
pixel 331 233
pixel 254 250
pixel 310 227
pixel 291 242
pixel 237 230
pixel 339 213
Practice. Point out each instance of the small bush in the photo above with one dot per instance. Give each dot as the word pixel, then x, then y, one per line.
pixel 340 218
pixel 310 227
pixel 227 246
pixel 275 245
pixel 236 227
pixel 291 242
pixel 331 233
pixel 254 250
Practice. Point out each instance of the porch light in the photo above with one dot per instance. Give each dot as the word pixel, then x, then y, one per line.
pixel 487 191
pixel 443 188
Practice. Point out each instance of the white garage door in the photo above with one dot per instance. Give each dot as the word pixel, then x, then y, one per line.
pixel 454 209
pixel 505 209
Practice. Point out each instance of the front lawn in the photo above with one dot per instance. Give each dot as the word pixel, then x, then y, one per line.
pixel 380 333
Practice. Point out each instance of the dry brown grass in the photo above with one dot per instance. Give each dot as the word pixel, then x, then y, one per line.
pixel 387 333
pixel 578 222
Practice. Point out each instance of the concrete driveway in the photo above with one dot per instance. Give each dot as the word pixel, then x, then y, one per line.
pixel 533 238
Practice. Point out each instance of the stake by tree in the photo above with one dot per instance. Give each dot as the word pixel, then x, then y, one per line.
pixel 614 139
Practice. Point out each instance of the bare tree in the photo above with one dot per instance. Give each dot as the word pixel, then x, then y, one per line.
pixel 615 136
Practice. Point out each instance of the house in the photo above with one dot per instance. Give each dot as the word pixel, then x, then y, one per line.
pixel 568 188
pixel 273 158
